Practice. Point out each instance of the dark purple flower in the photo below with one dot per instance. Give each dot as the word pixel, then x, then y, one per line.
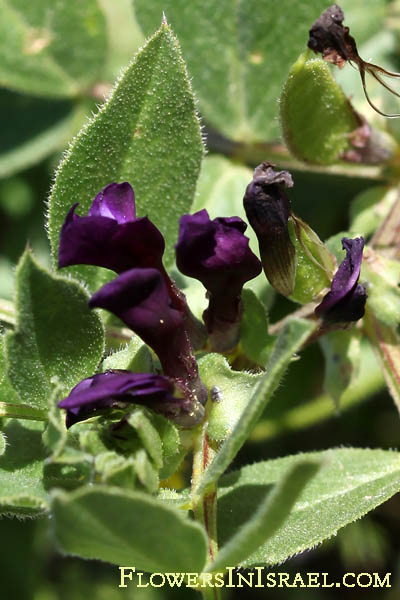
pixel 217 253
pixel 118 389
pixel 111 236
pixel 268 210
pixel 139 297
pixel 346 300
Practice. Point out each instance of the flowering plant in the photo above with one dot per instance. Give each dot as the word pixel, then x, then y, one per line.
pixel 138 364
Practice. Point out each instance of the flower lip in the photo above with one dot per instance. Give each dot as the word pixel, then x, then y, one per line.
pixel 216 252
pixel 346 299
pixel 116 201
pixel 113 388
pixel 140 298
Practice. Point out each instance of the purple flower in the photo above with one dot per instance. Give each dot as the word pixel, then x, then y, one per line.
pixel 111 236
pixel 118 389
pixel 217 253
pixel 346 300
pixel 139 297
pixel 268 210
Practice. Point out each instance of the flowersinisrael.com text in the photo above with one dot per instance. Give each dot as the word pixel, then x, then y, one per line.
pixel 260 577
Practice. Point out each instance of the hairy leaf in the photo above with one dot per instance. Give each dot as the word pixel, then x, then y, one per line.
pixel 146 133
pixel 56 336
pixel 127 528
pixel 350 483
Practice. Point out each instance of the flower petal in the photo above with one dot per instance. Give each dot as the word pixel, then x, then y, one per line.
pixel 216 252
pixel 116 201
pixel 114 388
pixel 345 301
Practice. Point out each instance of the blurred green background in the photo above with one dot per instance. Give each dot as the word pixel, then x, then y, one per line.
pixel 36 127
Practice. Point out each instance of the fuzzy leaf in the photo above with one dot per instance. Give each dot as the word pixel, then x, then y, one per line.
pixel 230 391
pixel 56 336
pixel 350 483
pixel 127 528
pixel 290 340
pixel 148 435
pixel 270 515
pixel 22 490
pixel 147 133
pixel 247 48
pixel 51 48
pixel 135 357
pixel 342 360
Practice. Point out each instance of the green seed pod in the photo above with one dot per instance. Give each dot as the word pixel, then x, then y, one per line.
pixel 317 119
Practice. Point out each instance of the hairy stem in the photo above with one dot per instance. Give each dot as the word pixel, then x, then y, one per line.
pixel 205 506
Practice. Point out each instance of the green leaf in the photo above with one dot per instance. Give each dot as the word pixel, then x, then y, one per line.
pixel 2 443
pixel 290 340
pixel 239 54
pixel 271 514
pixel 22 490
pixel 148 435
pixel 255 340
pixel 146 133
pixel 350 483
pixel 146 471
pixel 33 128
pixel 127 528
pixel 51 48
pixel 315 114
pixel 368 382
pixel 135 357
pixel 370 208
pixel 342 360
pixel 382 277
pixel 56 336
pixel 385 341
pixel 230 391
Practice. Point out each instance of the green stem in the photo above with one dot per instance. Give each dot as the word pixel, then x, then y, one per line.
pixel 22 411
pixel 204 506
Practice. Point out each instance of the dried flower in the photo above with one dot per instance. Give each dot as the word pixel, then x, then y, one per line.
pixel 328 36
pixel 268 210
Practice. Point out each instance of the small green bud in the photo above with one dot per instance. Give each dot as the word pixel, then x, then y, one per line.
pixel 314 263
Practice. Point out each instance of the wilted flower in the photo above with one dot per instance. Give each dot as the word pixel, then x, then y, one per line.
pixel 139 297
pixel 119 389
pixel 346 300
pixel 328 36
pixel 268 210
pixel 217 253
